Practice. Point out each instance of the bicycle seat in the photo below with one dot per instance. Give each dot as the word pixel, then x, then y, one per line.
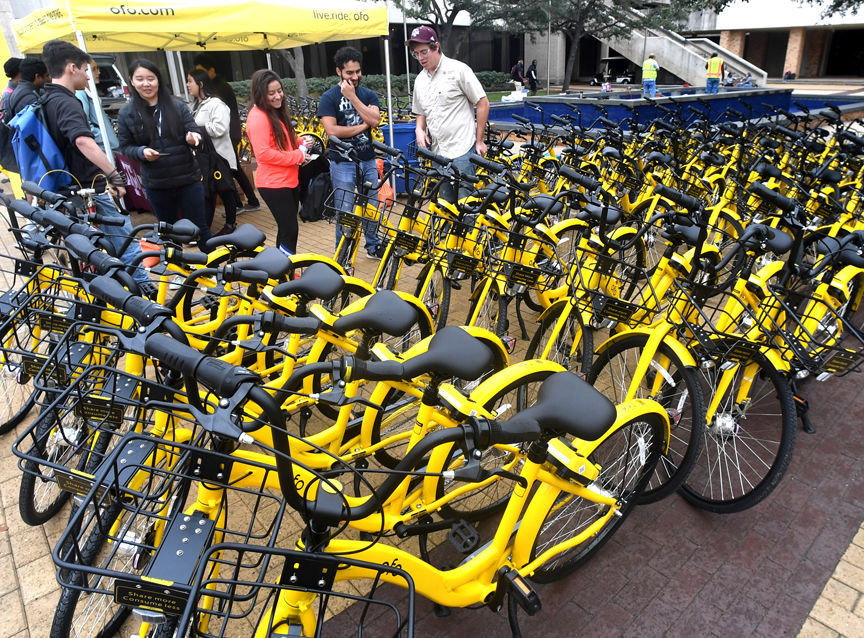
pixel 452 352
pixel 319 281
pixel 271 260
pixel 593 214
pixel 246 237
pixel 384 313
pixel 537 146
pixel 574 150
pixel 569 405
pixel 611 151
pixel 545 204
pixel 780 243
pixel 499 194
pixel 656 157
pixel 712 159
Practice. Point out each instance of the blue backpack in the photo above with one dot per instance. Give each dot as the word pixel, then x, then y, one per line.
pixel 39 158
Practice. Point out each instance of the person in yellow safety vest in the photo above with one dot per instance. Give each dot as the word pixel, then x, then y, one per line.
pixel 649 76
pixel 715 72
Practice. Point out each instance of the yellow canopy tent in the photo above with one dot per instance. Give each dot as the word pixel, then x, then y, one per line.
pixel 194 25
pixel 113 26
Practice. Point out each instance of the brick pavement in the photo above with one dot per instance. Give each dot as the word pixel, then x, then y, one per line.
pixel 795 563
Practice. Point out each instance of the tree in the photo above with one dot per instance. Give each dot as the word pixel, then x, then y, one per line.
pixel 442 15
pixel 296 59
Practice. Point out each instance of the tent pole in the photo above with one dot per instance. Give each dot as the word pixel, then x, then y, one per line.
pixel 389 88
pixel 269 61
pixel 172 72
pixel 97 103
pixel 407 54
pixel 182 75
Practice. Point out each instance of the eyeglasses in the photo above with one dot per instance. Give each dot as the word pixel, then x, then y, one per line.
pixel 416 54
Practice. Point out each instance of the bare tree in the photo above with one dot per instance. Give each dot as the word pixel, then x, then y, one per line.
pixel 296 59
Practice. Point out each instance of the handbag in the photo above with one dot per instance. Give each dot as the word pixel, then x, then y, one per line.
pixel 215 170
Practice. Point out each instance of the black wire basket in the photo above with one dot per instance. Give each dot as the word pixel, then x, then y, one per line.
pixel 353 210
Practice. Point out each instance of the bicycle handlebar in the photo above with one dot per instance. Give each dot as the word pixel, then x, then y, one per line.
pixel 389 150
pixel 780 201
pixel 692 204
pixel 32 188
pixel 142 310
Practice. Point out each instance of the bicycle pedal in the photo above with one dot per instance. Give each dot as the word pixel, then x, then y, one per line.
pixel 463 537
pixel 455 285
pixel 511 582
pixel 509 343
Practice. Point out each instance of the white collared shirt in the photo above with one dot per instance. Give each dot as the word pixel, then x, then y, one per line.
pixel 447 98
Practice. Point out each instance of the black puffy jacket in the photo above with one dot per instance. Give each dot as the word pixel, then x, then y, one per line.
pixel 178 167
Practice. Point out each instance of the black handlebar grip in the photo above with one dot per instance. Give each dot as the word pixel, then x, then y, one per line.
pixel 851 137
pixel 24 209
pixel 341 145
pixel 235 272
pixel 142 310
pixel 589 183
pixel 389 150
pixel 437 159
pixel 607 122
pixel 191 258
pixel 110 291
pixel 172 353
pixel 377 370
pixel 561 120
pixel 102 220
pixel 80 247
pixel 34 189
pixel 276 322
pixel 788 132
pixel 780 201
pixel 490 165
pixel 522 120
pixel 682 199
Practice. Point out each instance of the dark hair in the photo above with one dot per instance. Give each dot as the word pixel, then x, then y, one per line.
pixel 31 67
pixel 206 60
pixel 345 55
pixel 171 123
pixel 58 53
pixel 12 67
pixel 261 79
pixel 202 79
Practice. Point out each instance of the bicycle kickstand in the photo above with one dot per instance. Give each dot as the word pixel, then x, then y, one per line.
pixel 802 407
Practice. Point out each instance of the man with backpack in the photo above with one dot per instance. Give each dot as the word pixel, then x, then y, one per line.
pixel 70 130
pixel 34 75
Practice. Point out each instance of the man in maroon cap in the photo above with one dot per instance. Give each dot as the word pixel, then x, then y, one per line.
pixel 446 93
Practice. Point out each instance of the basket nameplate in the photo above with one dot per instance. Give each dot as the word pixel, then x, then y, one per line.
pixel 840 362
pixel 346 219
pixel 54 323
pixel 32 364
pixel 99 409
pixel 79 484
pixel 164 598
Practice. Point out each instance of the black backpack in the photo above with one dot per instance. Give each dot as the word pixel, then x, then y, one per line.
pixel 313 203
pixel 7 152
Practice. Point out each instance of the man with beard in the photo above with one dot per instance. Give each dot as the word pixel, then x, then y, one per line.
pixel 349 112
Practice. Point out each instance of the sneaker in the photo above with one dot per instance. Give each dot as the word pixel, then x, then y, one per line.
pixel 285 251
pixel 372 254
pixel 248 208
pixel 227 229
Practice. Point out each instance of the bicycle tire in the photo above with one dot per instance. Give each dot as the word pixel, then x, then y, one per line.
pixel 345 255
pixel 435 295
pixel 491 314
pixel 612 373
pixel 730 476
pixel 476 505
pixel 389 270
pixel 568 515
pixel 17 396
pixel 573 329
pixel 71 597
pixel 39 500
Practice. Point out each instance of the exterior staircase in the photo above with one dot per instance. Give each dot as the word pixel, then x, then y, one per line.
pixel 684 57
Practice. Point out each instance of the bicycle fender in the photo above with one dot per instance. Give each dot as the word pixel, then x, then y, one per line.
pixel 359 282
pixel 567 224
pixel 553 309
pixel 302 260
pixel 641 409
pixel 680 350
pixel 766 272
pixel 775 359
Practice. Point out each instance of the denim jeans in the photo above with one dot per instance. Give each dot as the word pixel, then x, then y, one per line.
pixel 467 169
pixel 649 88
pixel 187 201
pixel 343 176
pixel 712 85
pixel 118 235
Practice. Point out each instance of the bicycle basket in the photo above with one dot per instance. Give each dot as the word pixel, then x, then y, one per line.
pixel 611 289
pixel 227 596
pixel 407 227
pixel 461 245
pixel 812 333
pixel 352 210
pixel 523 261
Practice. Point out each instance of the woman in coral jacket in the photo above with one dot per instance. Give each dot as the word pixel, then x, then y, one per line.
pixel 278 153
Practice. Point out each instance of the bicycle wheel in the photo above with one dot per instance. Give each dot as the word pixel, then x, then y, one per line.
pixel 489 311
pixel 92 612
pixel 627 459
pixel 748 445
pixel 60 441
pixel 345 255
pixel 388 272
pixel 572 345
pixel 16 393
pixel 672 384
pixel 434 291
pixel 475 505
